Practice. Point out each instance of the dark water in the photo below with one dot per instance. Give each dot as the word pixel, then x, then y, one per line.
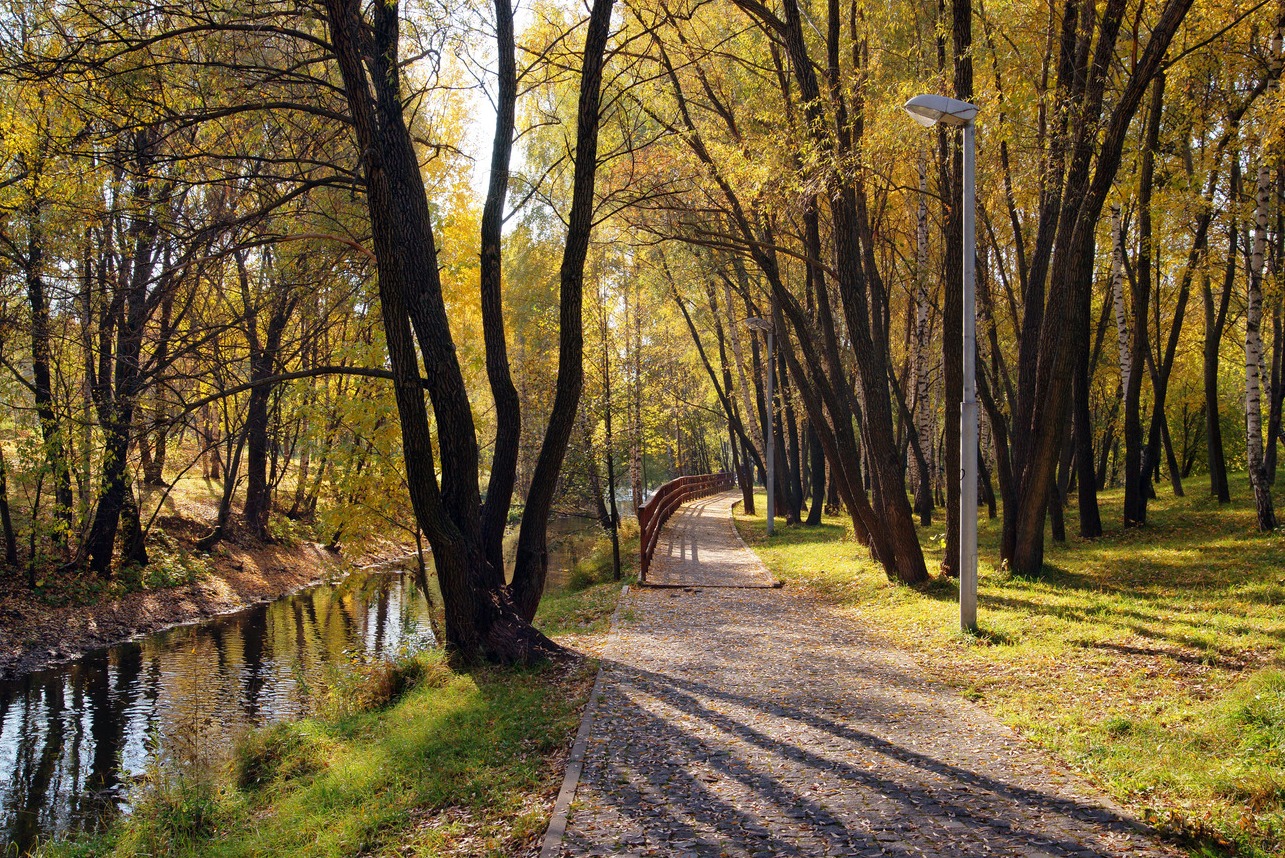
pixel 74 740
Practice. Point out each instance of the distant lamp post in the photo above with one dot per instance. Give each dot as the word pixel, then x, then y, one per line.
pixel 928 110
pixel 760 324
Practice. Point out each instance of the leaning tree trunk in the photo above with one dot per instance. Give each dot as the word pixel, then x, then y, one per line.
pixel 532 562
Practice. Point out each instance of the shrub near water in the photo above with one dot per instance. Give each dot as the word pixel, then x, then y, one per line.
pixel 366 686
pixel 277 753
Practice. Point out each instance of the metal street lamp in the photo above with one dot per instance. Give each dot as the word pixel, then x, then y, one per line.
pixel 928 110
pixel 760 324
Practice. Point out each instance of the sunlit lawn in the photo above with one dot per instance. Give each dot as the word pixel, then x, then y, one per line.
pixel 1150 660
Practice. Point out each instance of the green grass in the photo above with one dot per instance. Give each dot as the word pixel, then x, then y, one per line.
pixel 409 759
pixel 584 603
pixel 459 765
pixel 1152 661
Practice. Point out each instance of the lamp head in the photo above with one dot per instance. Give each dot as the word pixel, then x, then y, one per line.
pixel 758 323
pixel 928 110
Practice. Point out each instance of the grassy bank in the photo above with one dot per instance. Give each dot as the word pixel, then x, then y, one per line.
pixel 1151 661
pixel 398 760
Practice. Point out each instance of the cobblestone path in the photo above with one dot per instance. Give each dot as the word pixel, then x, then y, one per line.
pixel 756 722
pixel 699 547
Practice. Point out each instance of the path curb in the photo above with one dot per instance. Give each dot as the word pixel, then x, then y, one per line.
pixel 575 761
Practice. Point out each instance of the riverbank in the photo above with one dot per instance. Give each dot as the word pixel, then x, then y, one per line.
pixel 57 622
pixel 1150 661
pixel 394 758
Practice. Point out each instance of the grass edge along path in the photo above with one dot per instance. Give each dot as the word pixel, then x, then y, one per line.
pixel 1149 661
pixel 408 758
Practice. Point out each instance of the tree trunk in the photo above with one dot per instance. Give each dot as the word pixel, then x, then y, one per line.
pixel 55 448
pixel 508 411
pixel 6 522
pixel 1277 392
pixel 1137 463
pixel 531 565
pixel 1090 516
pixel 263 364
pixel 922 409
pixel 1064 254
pixel 790 432
pixel 1264 198
pixel 1253 340
pixel 119 388
pixel 816 459
pixel 481 618
pixel 609 442
pixel 1215 323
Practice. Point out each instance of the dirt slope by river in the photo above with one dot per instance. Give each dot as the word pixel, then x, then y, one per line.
pixel 34 634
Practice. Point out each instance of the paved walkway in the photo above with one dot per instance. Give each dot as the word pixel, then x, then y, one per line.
pixel 756 722
pixel 699 547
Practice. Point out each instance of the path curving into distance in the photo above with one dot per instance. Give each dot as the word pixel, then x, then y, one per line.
pixel 749 721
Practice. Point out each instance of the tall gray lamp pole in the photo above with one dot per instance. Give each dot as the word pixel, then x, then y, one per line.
pixel 929 110
pixel 769 442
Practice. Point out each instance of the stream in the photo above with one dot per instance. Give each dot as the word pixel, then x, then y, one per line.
pixel 76 739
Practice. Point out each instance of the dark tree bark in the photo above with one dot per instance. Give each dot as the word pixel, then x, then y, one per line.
pixel 723 390
pixel 609 443
pixel 816 462
pixel 1277 392
pixel 231 474
pixel 481 617
pixel 531 564
pixel 42 383
pixel 1215 323
pixel 120 379
pixel 153 444
pixel 264 352
pixel 1064 252
pixel 508 411
pixel 790 438
pixel 961 30
pixel 823 386
pixel 6 522
pixel 1090 516
pixel 1137 465
pixel 738 437
pixel 985 487
pixel 863 294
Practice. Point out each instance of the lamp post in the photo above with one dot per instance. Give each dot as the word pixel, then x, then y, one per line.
pixel 769 442
pixel 928 110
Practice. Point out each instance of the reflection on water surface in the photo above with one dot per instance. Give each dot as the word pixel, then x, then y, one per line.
pixel 74 740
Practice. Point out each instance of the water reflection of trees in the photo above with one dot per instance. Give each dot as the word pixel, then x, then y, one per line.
pixel 74 740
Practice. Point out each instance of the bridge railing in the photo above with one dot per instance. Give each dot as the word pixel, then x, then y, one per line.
pixel 654 513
